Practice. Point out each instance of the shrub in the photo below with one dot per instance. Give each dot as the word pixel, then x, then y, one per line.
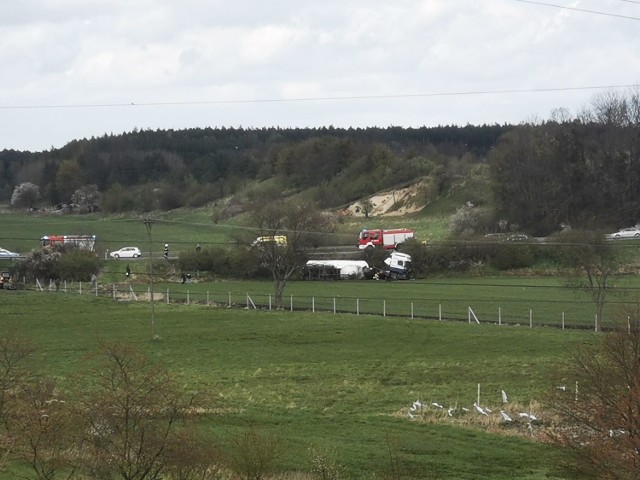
pixel 58 264
pixel 78 265
pixel 505 256
pixel 214 260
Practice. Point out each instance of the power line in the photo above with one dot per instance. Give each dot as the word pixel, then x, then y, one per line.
pixel 628 17
pixel 318 99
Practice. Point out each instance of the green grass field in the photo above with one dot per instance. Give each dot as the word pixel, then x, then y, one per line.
pixel 323 379
pixel 327 380
pixel 509 300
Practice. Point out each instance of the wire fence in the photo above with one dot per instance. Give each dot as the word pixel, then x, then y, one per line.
pixel 510 312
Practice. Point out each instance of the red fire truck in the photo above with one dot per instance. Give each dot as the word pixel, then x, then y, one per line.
pixel 83 242
pixel 387 239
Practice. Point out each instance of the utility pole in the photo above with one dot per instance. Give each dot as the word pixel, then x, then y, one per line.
pixel 148 223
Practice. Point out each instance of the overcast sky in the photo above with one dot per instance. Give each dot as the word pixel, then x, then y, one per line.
pixel 73 69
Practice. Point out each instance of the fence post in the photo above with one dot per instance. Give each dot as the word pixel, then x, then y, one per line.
pixel 269 301
pixel 334 305
pixel 291 304
pixel 229 297
pixel 411 310
pixel 499 315
pixel 440 312
pixel 149 293
pixel 530 318
pixel 167 296
pixel 357 306
pixel 384 308
pixel 313 304
pixel 80 288
pixel 563 320
pixel 188 298
pixel 207 298
pixel 114 291
pixel 65 286
pixel 596 326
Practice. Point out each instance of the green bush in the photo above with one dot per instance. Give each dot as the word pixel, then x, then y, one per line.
pixel 506 256
pixel 78 265
pixel 214 260
pixel 58 264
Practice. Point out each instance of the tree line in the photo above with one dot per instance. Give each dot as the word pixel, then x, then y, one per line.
pixel 165 169
pixel 582 170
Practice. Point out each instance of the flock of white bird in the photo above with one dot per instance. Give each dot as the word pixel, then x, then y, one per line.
pixel 418 407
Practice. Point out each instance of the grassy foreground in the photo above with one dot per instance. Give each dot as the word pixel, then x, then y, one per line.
pixel 340 382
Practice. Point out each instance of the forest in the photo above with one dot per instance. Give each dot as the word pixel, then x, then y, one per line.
pixel 581 170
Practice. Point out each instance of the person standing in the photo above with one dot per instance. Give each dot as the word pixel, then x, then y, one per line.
pixel 166 251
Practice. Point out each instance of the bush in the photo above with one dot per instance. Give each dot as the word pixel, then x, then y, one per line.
pixel 215 260
pixel 58 264
pixel 468 221
pixel 78 265
pixel 455 257
pixel 505 256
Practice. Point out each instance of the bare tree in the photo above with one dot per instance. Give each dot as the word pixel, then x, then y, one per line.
pixel 131 409
pixel 299 223
pixel 600 419
pixel 254 453
pixel 44 431
pixel 593 265
pixel 13 352
pixel 366 207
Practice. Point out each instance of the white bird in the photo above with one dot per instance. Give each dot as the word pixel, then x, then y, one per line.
pixel 450 411
pixel 505 416
pixel 480 409
pixel 505 398
pixel 465 409
pixel 487 410
pixel 563 388
pixel 437 405
pixel 523 415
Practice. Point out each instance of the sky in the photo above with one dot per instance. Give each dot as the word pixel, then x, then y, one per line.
pixel 74 69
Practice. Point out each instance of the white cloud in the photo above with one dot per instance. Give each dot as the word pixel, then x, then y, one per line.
pixel 81 52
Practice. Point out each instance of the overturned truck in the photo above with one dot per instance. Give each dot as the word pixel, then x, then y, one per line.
pixel 396 267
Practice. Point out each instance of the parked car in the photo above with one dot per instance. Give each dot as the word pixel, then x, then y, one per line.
pixel 631 232
pixel 126 252
pixel 4 253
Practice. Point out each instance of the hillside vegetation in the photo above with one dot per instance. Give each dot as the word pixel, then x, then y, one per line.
pixel 534 178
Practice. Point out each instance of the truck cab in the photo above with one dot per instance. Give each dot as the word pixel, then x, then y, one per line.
pixel 398 266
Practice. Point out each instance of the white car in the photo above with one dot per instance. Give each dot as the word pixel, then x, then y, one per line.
pixel 126 252
pixel 631 232
pixel 4 253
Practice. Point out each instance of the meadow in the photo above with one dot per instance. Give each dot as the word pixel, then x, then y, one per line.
pixel 340 382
